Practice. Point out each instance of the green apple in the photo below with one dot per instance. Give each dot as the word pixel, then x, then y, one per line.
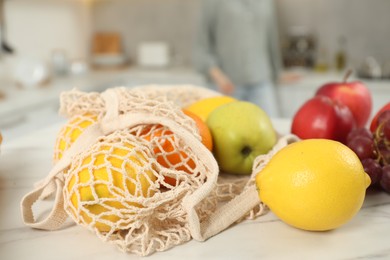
pixel 241 131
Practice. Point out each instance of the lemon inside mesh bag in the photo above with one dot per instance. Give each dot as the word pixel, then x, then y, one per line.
pixel 71 131
pixel 107 185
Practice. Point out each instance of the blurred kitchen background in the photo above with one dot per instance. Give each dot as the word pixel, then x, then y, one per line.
pixel 49 46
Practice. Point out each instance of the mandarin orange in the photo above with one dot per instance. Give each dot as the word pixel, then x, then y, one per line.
pixel 168 154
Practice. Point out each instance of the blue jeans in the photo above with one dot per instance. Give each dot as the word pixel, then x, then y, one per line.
pixel 262 94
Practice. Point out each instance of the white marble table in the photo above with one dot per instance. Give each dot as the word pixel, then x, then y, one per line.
pixel 28 159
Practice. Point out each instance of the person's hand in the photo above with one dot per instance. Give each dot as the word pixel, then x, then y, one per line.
pixel 289 77
pixel 225 86
pixel 223 82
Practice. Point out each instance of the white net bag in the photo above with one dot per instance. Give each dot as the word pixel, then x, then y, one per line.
pixel 130 166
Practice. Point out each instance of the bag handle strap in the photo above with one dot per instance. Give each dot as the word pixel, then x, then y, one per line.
pixel 223 217
pixel 53 184
pixel 236 208
pixel 57 215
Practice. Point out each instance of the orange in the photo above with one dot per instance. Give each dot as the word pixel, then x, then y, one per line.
pixel 204 130
pixel 167 153
pixel 204 107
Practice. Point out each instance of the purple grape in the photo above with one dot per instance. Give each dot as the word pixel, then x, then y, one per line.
pixel 385 180
pixel 363 146
pixel 383 129
pixel 373 169
pixel 385 157
pixel 382 150
pixel 381 144
pixel 361 131
pixel 383 117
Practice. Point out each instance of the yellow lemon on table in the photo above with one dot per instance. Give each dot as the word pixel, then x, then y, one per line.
pixel 71 131
pixel 315 184
pixel 103 186
pixel 204 107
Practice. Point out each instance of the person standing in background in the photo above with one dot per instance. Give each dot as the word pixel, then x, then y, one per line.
pixel 237 49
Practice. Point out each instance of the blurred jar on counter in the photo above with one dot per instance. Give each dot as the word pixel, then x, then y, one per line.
pixel 341 54
pixel 386 70
pixel 59 62
pixel 30 72
pixel 299 48
pixel 78 67
pixel 322 63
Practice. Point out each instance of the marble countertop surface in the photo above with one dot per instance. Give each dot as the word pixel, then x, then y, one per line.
pixel 25 160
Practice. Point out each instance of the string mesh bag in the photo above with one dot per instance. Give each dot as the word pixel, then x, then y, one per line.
pixel 115 189
pixel 79 119
pixel 116 178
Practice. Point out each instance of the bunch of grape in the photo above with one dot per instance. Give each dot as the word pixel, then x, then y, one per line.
pixel 373 149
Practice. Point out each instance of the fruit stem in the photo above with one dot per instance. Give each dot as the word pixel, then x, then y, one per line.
pixel 347 74
pixel 377 135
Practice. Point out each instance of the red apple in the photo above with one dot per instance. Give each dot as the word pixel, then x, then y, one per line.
pixel 354 95
pixel 322 117
pixel 374 121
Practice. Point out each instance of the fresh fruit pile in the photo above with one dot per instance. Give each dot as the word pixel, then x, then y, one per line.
pixel 335 110
pixel 106 183
pixel 298 184
pixel 340 111
pixel 234 139
pixel 240 130
pixel 373 148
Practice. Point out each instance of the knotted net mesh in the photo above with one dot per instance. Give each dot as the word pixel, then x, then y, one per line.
pixel 139 175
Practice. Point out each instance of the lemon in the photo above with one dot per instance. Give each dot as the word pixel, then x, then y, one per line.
pixel 315 184
pixel 71 131
pixel 103 183
pixel 204 107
